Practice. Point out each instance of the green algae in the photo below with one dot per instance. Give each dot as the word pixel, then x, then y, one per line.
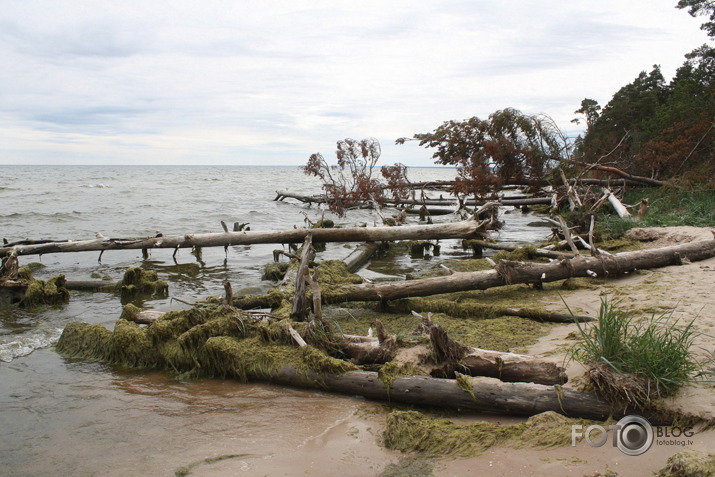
pixel 689 463
pixel 619 245
pixel 521 254
pixel 274 271
pixel 25 274
pixel 505 333
pixel 83 340
pixel 474 245
pixel 465 383
pixel 409 467
pixel 323 224
pixel 332 273
pixel 204 341
pixel 128 345
pixel 40 292
pixel 131 346
pixel 137 281
pixel 411 431
pixel 392 370
pixel 252 358
pixel 359 320
pixel 473 324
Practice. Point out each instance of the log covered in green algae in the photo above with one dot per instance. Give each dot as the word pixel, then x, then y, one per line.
pixel 223 342
pixel 29 292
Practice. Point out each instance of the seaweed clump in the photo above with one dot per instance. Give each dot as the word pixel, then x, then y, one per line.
pixel 210 341
pixel 689 462
pixel 275 271
pixel 521 254
pixel 137 281
pixel 39 292
pixel 411 431
pixel 392 370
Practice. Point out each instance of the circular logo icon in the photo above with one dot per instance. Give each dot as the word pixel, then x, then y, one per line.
pixel 635 435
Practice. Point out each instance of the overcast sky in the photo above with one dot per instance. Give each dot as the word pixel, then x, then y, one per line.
pixel 270 82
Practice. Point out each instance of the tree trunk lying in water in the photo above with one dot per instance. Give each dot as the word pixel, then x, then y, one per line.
pixel 508 273
pixel 320 199
pixel 466 229
pixel 360 256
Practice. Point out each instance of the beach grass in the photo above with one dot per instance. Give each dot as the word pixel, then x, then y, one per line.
pixel 667 207
pixel 637 360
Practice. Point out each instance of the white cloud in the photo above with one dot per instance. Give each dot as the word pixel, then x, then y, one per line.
pixel 274 81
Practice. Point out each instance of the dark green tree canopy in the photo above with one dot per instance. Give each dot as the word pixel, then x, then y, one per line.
pixel 656 129
pixel 590 109
pixel 701 8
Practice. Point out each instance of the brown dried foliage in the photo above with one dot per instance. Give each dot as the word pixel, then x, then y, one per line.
pixel 353 180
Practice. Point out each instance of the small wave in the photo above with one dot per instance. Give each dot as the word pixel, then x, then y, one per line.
pixel 60 216
pixel 25 344
pixel 96 186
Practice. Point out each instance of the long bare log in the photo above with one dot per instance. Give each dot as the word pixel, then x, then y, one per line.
pixel 318 199
pixel 465 229
pixel 508 273
pixel 93 285
pixel 641 179
pixel 487 394
pixel 614 170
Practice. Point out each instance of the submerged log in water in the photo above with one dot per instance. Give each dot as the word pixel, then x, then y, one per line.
pixel 518 202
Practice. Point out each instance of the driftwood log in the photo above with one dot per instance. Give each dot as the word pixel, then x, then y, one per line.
pixel 470 228
pixel 487 394
pixel 539 252
pixel 360 256
pixel 299 309
pixel 452 356
pixel 617 204
pixel 507 273
pixel 319 199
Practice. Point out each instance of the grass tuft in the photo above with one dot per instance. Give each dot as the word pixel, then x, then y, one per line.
pixel 634 362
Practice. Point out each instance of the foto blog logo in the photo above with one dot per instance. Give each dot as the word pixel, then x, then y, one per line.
pixel 633 435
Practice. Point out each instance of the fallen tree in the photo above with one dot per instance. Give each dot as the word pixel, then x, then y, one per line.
pixel 322 199
pixel 222 342
pixel 508 273
pixel 470 228
pixel 452 356
pixel 483 394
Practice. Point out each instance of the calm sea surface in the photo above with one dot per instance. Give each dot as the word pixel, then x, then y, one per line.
pixel 71 417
